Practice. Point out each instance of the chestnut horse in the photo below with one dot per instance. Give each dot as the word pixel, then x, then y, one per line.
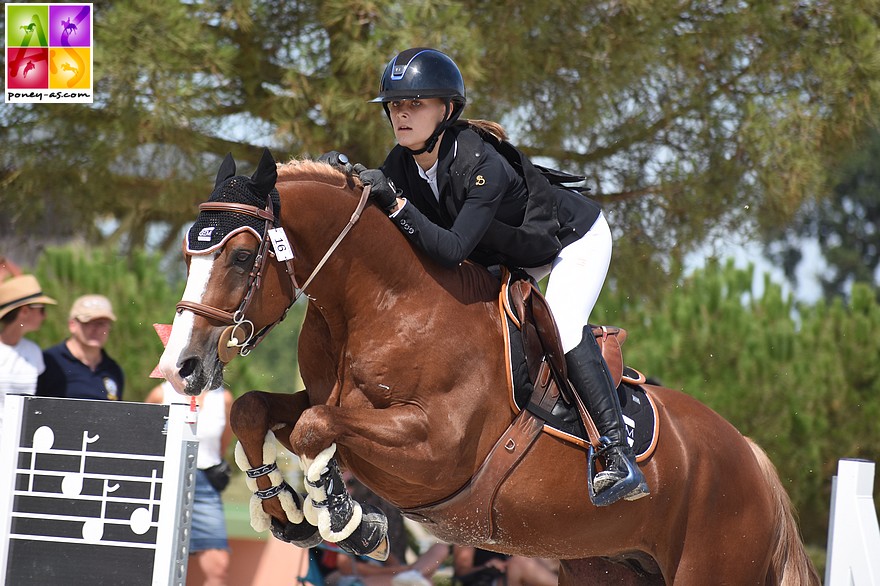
pixel 405 385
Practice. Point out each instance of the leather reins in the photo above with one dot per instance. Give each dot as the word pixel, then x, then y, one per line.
pixel 229 344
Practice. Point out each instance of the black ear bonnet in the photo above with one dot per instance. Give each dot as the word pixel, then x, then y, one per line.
pixel 212 228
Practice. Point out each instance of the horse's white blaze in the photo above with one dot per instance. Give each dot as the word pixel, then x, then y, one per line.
pixel 181 328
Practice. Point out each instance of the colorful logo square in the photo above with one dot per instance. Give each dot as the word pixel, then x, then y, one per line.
pixel 49 53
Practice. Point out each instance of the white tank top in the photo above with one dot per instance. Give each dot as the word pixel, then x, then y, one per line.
pixel 211 424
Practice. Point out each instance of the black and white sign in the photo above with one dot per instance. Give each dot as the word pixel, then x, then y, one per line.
pixel 95 492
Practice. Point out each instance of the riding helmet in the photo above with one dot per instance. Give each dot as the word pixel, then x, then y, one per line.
pixel 421 73
pixel 424 73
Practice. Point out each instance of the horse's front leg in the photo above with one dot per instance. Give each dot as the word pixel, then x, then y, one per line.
pixel 360 529
pixel 255 416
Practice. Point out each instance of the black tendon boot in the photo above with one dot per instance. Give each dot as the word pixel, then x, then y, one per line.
pixel 370 537
pixel 589 376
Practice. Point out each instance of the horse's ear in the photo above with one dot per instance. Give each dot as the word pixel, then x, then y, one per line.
pixel 227 170
pixel 266 174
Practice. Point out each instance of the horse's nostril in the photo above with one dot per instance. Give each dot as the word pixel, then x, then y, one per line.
pixel 189 366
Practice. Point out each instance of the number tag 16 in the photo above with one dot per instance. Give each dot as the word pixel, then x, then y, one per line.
pixel 282 248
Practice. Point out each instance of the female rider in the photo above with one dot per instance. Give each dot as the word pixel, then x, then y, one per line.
pixel 454 196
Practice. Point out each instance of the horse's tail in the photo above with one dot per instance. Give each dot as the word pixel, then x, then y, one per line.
pixel 790 565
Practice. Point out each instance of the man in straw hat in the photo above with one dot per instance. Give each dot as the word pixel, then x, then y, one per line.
pixel 79 367
pixel 22 310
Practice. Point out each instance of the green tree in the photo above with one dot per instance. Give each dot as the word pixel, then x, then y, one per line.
pixel 846 225
pixel 689 118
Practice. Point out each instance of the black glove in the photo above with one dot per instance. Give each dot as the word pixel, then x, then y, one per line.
pixel 383 191
pixel 336 159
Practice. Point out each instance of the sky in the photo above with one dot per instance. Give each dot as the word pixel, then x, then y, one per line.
pixel 813 264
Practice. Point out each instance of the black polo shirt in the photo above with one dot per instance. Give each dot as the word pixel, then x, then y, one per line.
pixel 66 376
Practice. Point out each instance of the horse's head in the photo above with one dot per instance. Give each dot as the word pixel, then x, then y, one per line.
pixel 227 251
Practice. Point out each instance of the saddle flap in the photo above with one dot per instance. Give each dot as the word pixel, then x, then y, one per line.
pixel 540 335
pixel 610 340
pixel 519 294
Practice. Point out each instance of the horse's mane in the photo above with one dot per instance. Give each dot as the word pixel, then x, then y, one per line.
pixel 307 169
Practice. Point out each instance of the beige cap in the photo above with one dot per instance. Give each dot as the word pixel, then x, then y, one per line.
pixel 89 307
pixel 20 291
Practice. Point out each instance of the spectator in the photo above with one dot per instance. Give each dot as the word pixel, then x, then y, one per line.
pixel 22 310
pixel 208 544
pixel 79 367
pixel 479 567
pixel 341 569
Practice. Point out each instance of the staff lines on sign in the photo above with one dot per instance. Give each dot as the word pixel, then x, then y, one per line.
pixel 78 453
pixel 88 497
pixel 57 473
pixel 80 541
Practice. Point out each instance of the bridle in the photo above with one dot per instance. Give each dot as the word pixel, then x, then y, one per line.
pixel 229 344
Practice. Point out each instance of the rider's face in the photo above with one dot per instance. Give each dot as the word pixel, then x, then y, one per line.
pixel 415 120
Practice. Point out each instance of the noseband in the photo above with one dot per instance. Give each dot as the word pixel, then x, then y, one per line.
pixel 229 345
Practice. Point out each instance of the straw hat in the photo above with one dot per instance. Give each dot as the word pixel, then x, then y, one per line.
pixel 89 307
pixel 21 291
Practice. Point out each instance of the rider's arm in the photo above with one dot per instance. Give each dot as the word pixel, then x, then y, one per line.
pixel 486 188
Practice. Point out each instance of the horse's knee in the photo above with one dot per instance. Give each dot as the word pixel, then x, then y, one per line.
pixel 249 413
pixel 313 431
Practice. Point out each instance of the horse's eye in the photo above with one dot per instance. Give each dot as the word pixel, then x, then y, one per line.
pixel 242 257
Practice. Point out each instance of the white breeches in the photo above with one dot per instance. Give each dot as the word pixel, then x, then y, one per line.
pixel 576 278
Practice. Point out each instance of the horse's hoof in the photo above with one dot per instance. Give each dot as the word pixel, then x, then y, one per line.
pixel 371 536
pixel 301 535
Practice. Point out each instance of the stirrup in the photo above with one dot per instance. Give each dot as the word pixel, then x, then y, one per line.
pixel 632 487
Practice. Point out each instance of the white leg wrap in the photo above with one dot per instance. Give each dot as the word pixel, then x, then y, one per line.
pixel 320 516
pixel 260 519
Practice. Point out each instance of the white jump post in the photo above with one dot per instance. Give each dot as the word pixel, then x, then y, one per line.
pixel 853 532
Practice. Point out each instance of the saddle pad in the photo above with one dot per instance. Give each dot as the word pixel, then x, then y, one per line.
pixel 640 418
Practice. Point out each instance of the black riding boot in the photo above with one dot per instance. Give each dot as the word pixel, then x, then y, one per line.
pixel 589 376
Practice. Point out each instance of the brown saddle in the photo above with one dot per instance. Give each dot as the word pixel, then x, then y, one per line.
pixel 528 309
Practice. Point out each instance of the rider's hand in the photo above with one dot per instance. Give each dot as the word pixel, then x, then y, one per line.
pixel 335 159
pixel 383 191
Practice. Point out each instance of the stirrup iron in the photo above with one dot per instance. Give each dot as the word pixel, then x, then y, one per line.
pixel 634 482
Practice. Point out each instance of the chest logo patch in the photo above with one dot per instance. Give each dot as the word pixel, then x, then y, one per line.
pixel 480 180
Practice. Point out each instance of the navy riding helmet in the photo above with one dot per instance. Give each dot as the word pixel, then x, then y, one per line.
pixel 421 72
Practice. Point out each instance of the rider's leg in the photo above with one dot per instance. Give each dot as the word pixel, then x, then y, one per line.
pixel 589 376
pixel 576 279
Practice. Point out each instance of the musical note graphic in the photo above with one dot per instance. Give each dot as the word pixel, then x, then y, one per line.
pixel 142 518
pixel 72 484
pixel 93 529
pixel 43 440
